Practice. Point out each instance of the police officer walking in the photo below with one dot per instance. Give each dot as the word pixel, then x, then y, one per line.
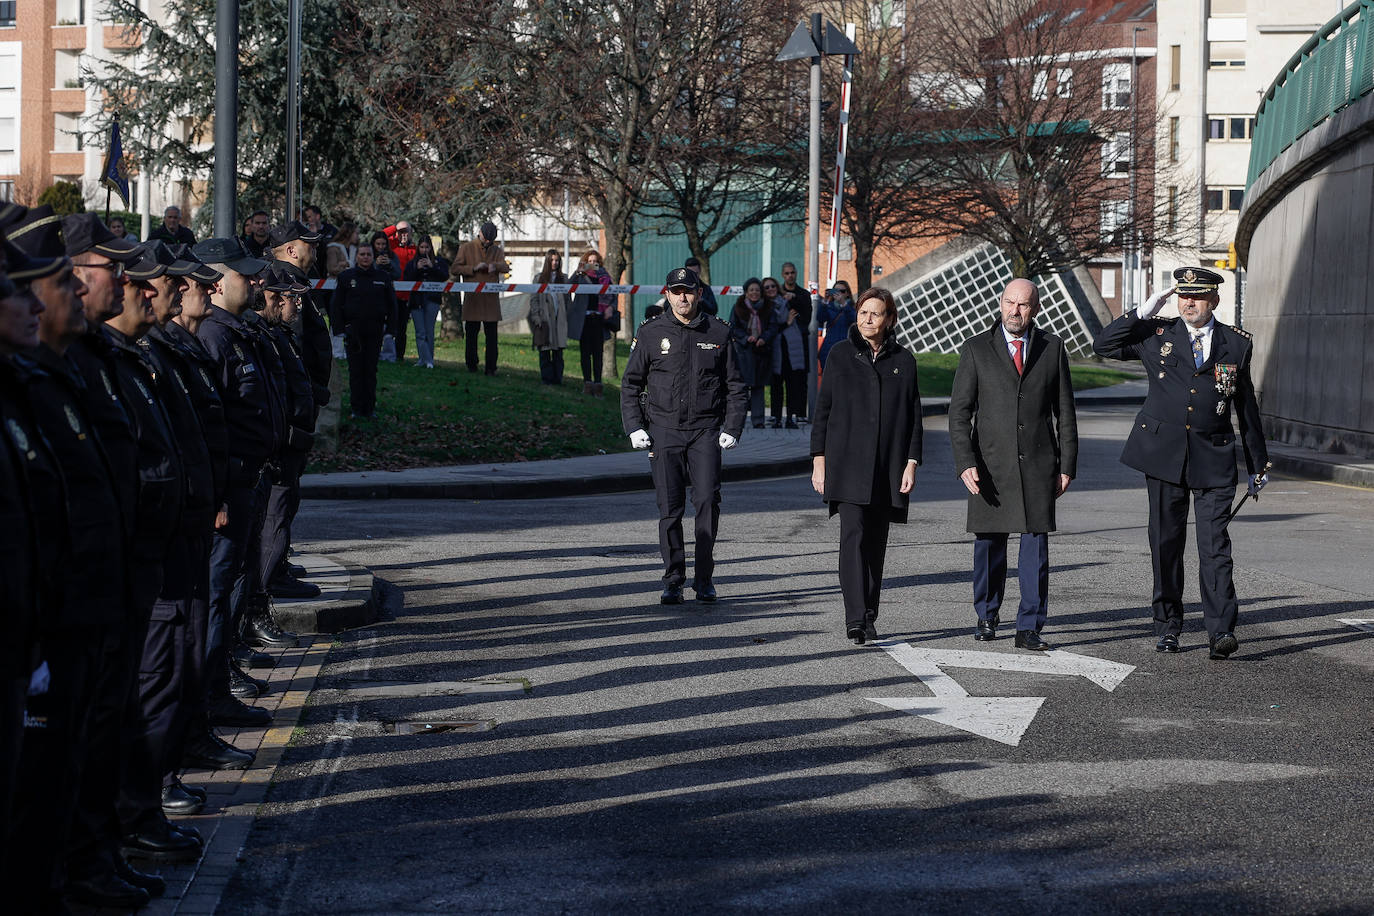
pixel 694 407
pixel 364 300
pixel 1183 441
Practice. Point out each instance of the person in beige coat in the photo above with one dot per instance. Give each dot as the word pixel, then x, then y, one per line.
pixel 481 260
pixel 549 320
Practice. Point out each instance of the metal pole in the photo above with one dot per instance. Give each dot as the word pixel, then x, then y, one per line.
pixel 567 230
pixel 226 116
pixel 1128 290
pixel 813 207
pixel 293 108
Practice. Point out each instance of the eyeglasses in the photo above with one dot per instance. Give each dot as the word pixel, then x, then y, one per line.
pixel 114 267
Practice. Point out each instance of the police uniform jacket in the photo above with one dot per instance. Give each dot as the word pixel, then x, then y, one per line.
pixel 175 377
pixel 315 347
pixel 92 357
pixel 199 376
pixel 93 578
pixel 159 459
pixel 254 422
pixel 300 398
pixel 33 539
pixel 1019 431
pixel 364 299
pixel 690 374
pixel 1183 433
pixel 270 360
pixel 867 423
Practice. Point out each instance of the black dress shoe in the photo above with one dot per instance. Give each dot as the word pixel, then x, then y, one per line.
pixel 856 634
pixel 287 587
pixel 295 571
pixel 1029 639
pixel 251 658
pixel 871 626
pixel 153 884
pixel 705 592
pixel 243 686
pixel 262 631
pixel 672 594
pixel 1224 645
pixel 183 830
pixel 193 791
pixel 161 846
pixel 107 890
pixel 1167 643
pixel 208 751
pixel 233 712
pixel 986 632
pixel 177 802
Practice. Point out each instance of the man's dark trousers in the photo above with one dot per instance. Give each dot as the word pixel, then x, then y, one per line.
pixel 676 458
pixel 1168 538
pixel 470 329
pixel 363 344
pixel 234 558
pixel 1033 573
pixel 283 501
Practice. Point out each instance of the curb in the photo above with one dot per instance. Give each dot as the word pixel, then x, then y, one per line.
pixel 339 607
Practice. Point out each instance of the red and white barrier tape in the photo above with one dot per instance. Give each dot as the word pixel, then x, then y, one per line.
pixel 453 286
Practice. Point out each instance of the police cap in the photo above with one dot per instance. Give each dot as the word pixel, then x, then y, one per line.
pixel 290 232
pixel 86 232
pixel 203 273
pixel 22 266
pixel 156 259
pixel 682 278
pixel 1197 281
pixel 231 253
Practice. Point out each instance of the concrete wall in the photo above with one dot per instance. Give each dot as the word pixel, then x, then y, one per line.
pixel 1305 236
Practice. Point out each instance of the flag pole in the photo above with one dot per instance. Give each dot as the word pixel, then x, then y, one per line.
pixel 107 205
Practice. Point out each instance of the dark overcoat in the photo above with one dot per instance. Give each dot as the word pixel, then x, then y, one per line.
pixel 868 421
pixel 1183 433
pixel 1019 431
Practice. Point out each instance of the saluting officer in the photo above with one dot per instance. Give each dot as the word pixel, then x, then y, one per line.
pixel 1183 441
pixel 694 408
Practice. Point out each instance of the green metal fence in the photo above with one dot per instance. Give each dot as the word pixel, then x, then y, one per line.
pixel 1332 69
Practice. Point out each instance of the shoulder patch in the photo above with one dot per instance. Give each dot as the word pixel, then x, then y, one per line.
pixel 1243 333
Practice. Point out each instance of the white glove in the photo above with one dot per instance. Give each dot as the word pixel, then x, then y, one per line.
pixel 1257 482
pixel 728 441
pixel 640 439
pixel 1155 303
pixel 39 680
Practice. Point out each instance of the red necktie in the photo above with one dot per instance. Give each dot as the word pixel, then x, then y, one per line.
pixel 1016 358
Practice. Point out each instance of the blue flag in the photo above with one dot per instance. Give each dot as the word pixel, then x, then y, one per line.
pixel 115 175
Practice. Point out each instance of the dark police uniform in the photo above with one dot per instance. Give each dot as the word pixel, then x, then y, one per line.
pixel 254 420
pixel 301 410
pixel 1184 442
pixel 694 392
pixel 364 301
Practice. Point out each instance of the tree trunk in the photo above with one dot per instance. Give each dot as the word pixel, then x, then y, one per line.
pixel 451 317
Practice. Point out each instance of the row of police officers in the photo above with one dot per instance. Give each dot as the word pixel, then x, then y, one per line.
pixel 157 405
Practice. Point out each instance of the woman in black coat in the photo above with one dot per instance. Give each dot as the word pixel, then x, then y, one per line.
pixel 865 448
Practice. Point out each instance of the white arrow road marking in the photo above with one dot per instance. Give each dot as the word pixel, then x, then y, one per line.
pixel 1358 623
pixel 1003 719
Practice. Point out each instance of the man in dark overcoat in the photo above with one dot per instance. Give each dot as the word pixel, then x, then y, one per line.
pixel 1015 437
pixel 1184 443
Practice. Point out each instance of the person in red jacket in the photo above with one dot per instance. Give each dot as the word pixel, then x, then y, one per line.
pixel 402 241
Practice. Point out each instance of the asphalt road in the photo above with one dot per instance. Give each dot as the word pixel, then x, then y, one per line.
pixel 732 759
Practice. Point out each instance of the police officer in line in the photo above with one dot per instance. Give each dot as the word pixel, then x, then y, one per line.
pixel 283 296
pixel 694 407
pixel 296 245
pixel 255 436
pixel 32 520
pixel 90 615
pixel 1184 443
pixel 201 747
pixel 363 301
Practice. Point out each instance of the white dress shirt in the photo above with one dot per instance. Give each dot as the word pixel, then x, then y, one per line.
pixel 1025 343
pixel 1204 332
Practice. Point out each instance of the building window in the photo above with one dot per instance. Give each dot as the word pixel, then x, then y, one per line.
pixel 1223 199
pixel 1040 84
pixel 1173 139
pixel 1113 220
pixel 1116 155
pixel 1171 215
pixel 6 191
pixel 1224 54
pixel 1230 127
pixel 1063 83
pixel 1116 86
pixel 9 72
pixel 7 14
pixel 887 14
pixel 8 129
pixel 1175 67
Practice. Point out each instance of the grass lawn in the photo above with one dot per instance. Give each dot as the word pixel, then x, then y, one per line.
pixel 447 415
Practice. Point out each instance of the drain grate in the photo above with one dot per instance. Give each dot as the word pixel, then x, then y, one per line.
pixel 435 726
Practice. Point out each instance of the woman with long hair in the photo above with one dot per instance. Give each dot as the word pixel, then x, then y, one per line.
pixel 549 320
pixel 753 326
pixel 594 315
pixel 425 267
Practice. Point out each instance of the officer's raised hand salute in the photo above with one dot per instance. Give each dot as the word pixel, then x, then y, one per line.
pixel 1184 442
pixel 694 407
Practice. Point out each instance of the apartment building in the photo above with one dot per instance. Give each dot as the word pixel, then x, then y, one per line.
pixel 45 48
pixel 1216 60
